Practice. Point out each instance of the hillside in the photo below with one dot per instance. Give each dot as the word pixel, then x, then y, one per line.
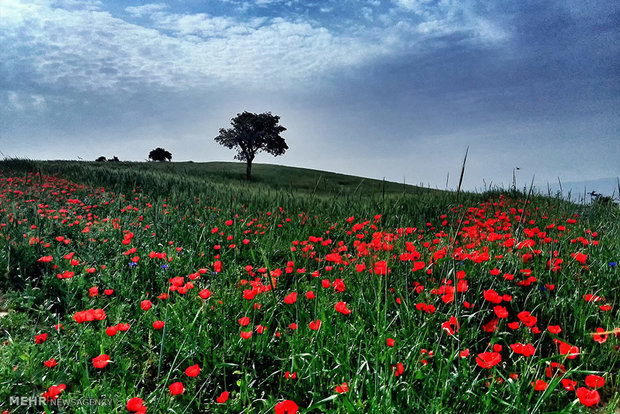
pixel 181 288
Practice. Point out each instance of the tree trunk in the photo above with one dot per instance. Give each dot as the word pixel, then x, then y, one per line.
pixel 248 170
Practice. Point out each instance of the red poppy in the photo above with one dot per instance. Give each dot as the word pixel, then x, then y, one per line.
pixel 381 268
pixel 390 342
pixel 123 327
pixel 500 311
pixel 600 336
pixel 146 305
pixel 246 335
pixel 488 359
pixel 554 329
pixel 570 351
pixel 223 397
pixel 540 385
pixel 176 388
pixel 568 384
pixel 342 389
pixel 158 325
pixel 588 397
pixel 286 407
pixel 39 339
pixel 595 381
pixel 54 391
pixel 101 361
pixel 527 318
pixel 50 363
pixel 315 325
pixel 245 321
pixel 290 298
pixel 514 325
pixel 192 371
pixel 342 308
pixel 111 330
pixel 491 325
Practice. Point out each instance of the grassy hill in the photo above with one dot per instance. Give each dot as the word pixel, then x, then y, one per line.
pixel 276 177
pixel 183 288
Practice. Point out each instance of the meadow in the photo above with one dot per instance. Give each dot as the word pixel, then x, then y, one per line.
pixel 181 288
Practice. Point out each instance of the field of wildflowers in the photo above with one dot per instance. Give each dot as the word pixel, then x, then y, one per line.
pixel 133 292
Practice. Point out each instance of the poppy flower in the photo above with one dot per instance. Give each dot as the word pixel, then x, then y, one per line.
pixel 223 397
pixel 464 354
pixel 600 336
pixel 39 339
pixel 286 407
pixel 245 321
pixel 315 325
pixel 390 342
pixel 136 405
pixel 554 329
pixel 570 351
pixel 527 318
pixel 123 327
pixel 176 388
pixel 290 298
pixel 111 330
pixel 342 308
pixel 50 363
pixel 568 384
pixel 588 397
pixel 540 385
pixel 246 335
pixel 192 371
pixel 488 359
pixel 514 325
pixel 595 381
pixel 342 389
pixel 101 361
pixel 54 391
pixel 158 325
pixel 310 294
pixel 146 305
pixel 500 311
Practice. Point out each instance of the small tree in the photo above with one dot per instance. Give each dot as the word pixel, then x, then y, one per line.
pixel 160 154
pixel 101 159
pixel 252 133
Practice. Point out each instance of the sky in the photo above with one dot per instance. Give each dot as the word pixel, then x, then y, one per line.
pixel 394 89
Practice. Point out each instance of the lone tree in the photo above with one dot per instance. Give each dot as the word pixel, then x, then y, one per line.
pixel 160 154
pixel 101 159
pixel 252 133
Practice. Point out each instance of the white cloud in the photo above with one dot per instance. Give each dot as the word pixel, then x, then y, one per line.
pixel 447 17
pixel 88 49
pixel 146 9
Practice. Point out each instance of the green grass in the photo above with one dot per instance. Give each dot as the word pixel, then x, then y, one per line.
pixel 294 221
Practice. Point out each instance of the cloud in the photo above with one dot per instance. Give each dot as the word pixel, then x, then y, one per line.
pixel 80 46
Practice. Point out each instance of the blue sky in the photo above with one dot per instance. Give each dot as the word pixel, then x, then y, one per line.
pixel 378 88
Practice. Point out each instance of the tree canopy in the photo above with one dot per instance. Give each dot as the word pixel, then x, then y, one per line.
pixel 160 154
pixel 252 133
